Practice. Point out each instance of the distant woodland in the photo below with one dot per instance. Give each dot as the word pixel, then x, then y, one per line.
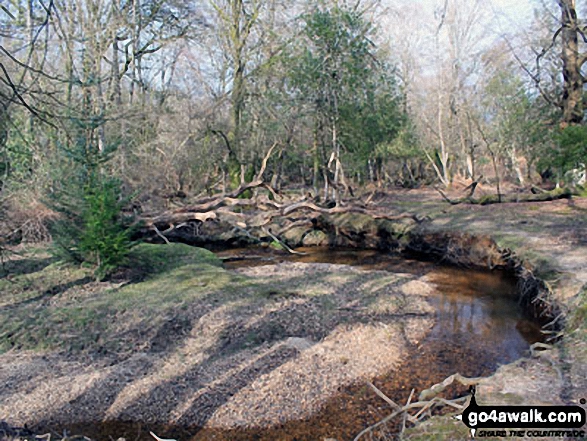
pixel 111 108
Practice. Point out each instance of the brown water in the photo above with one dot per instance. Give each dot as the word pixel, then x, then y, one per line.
pixel 476 309
pixel 479 326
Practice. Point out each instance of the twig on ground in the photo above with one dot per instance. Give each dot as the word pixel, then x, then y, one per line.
pixel 406 415
pixel 424 404
pixel 385 398
pixel 438 388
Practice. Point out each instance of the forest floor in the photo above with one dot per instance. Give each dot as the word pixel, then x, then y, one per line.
pixel 551 239
pixel 193 344
pixel 178 339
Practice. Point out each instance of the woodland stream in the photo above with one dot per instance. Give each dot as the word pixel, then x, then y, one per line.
pixel 477 311
pixel 479 326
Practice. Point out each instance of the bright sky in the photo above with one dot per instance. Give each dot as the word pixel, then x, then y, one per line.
pixel 512 13
pixel 521 9
pixel 410 23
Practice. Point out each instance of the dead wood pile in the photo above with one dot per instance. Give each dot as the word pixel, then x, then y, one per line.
pixel 256 210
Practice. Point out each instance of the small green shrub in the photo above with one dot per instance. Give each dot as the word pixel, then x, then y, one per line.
pixel 94 232
pixel 104 241
pixel 91 229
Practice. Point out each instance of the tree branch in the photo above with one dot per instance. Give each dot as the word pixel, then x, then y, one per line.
pixel 535 77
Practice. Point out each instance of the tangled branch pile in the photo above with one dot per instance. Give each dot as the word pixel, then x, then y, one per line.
pixel 256 210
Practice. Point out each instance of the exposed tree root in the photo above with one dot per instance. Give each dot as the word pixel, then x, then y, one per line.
pixel 537 295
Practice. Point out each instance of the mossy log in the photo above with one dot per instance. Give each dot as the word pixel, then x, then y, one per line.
pixel 561 193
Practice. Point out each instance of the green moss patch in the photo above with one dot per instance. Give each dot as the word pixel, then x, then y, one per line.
pixel 61 307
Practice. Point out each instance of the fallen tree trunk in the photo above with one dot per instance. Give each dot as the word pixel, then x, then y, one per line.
pixel 264 215
pixel 257 217
pixel 515 198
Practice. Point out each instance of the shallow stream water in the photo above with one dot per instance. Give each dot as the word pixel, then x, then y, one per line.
pixel 479 326
pixel 475 309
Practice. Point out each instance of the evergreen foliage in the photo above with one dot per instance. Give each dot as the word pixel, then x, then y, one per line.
pixel 91 228
pixel 336 73
pixel 572 151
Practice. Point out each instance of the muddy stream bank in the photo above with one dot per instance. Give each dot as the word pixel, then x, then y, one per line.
pixel 478 326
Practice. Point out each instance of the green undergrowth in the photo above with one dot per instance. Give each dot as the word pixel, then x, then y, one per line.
pixel 153 259
pixel 45 305
pixel 577 320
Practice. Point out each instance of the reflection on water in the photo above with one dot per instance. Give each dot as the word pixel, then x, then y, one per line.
pixel 479 326
pixel 479 309
pixel 474 308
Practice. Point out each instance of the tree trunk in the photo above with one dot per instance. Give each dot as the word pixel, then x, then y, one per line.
pixel 31 38
pixel 316 165
pixel 572 101
pixel 237 98
pixel 336 153
pixel 443 153
pixel 371 170
pixel 516 165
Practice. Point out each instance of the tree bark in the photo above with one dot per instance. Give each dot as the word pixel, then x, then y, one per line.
pixel 572 100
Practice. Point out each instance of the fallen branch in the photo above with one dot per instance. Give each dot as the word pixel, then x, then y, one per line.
pixel 445 197
pixel 406 414
pixel 161 439
pixel 348 209
pixel 385 398
pixel 440 387
pixel 160 235
pixel 168 219
pixel 472 187
pixel 514 198
pixel 280 242
pixel 424 406
pixel 427 400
